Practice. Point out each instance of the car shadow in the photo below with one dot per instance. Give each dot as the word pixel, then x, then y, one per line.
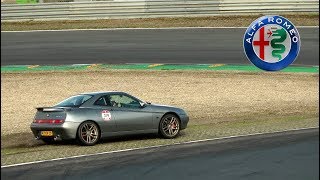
pixel 26 140
pixel 129 138
pixel 116 139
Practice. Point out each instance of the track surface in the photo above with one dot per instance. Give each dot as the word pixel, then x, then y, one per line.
pixel 291 155
pixel 195 46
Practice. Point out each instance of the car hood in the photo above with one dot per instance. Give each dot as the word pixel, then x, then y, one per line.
pixel 166 108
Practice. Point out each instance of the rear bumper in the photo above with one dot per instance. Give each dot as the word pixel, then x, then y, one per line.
pixel 67 130
pixel 184 121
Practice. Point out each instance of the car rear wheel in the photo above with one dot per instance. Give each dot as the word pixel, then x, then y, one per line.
pixel 88 133
pixel 169 126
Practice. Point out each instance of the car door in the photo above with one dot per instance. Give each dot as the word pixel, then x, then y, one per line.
pixel 129 114
pixel 105 116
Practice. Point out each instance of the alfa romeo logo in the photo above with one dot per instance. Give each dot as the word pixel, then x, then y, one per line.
pixel 271 43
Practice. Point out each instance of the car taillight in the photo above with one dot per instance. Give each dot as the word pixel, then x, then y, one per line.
pixel 49 121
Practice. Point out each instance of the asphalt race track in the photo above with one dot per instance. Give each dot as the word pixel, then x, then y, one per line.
pixel 291 155
pixel 194 46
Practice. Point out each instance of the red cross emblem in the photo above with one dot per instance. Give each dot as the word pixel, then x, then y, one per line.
pixel 261 43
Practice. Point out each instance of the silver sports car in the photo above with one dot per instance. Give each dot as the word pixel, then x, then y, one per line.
pixel 88 117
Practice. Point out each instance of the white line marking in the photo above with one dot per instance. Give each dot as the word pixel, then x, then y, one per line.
pixel 123 29
pixel 150 147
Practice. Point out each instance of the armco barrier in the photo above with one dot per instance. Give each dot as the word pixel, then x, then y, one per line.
pixel 151 8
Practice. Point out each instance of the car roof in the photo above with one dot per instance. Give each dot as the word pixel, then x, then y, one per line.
pixel 102 92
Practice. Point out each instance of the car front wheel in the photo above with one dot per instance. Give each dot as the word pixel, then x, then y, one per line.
pixel 169 126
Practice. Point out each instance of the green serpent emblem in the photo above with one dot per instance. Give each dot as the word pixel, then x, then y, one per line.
pixel 276 43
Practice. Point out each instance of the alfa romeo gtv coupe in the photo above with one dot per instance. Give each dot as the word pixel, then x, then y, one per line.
pixel 88 117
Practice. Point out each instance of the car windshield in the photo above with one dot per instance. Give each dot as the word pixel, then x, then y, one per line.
pixel 74 101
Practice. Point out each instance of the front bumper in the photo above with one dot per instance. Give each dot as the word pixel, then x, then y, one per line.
pixel 67 130
pixel 184 121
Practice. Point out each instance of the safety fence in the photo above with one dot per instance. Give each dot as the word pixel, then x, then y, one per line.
pixel 151 8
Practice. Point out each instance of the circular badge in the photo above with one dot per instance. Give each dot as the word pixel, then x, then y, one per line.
pixel 106 115
pixel 271 43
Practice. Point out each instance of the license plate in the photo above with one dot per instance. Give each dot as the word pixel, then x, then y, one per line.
pixel 46 133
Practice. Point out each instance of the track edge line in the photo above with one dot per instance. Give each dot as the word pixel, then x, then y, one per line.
pixel 156 146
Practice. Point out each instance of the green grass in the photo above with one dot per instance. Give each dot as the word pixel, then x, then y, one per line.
pixel 188 67
pixel 246 125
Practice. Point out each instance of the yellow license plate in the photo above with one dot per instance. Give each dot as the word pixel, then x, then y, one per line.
pixel 46 133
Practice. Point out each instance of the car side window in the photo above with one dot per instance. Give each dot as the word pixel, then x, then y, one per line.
pixel 103 101
pixel 123 101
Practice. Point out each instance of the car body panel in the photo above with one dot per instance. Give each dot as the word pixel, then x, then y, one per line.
pixel 129 119
pixel 67 130
pixel 123 120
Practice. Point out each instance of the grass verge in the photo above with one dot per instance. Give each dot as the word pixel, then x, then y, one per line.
pixel 12 155
pixel 180 67
pixel 310 19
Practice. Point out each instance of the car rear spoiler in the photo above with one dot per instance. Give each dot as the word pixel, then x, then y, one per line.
pixel 53 109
